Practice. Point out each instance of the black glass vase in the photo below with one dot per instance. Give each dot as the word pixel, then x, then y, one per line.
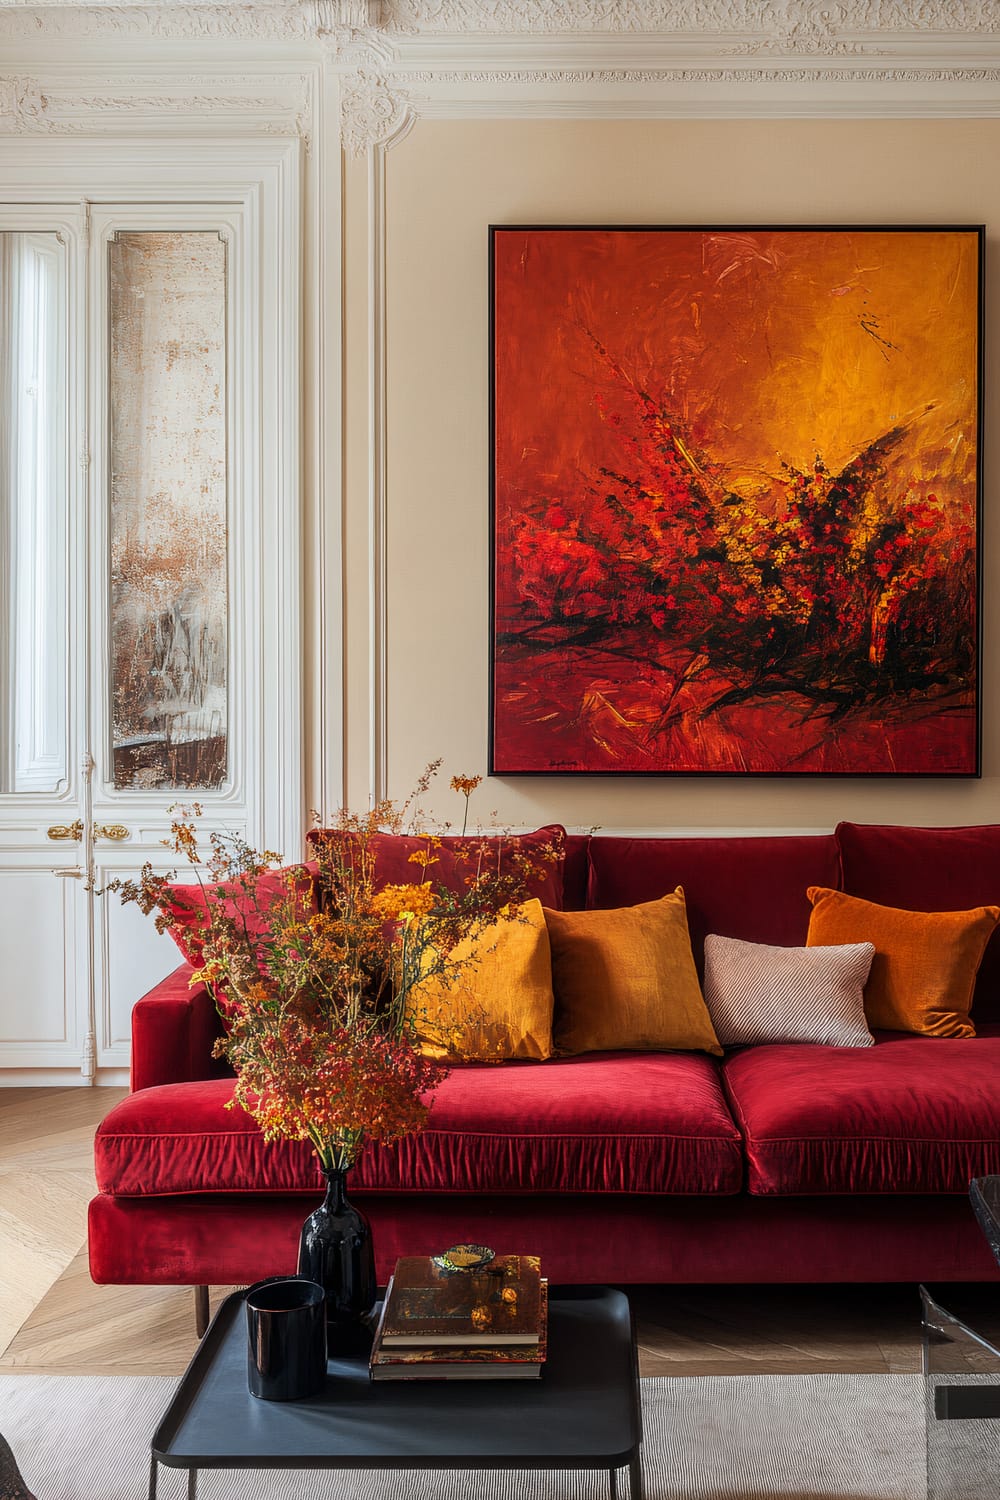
pixel 335 1249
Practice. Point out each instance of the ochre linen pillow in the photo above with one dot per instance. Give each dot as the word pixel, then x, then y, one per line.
pixel 501 1005
pixel 625 979
pixel 925 963
pixel 757 993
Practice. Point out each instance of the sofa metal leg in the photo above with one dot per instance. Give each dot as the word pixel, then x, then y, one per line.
pixel 201 1310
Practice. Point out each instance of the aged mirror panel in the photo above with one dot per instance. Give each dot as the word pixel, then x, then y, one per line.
pixel 168 425
pixel 33 511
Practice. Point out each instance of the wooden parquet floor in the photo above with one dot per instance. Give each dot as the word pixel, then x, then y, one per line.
pixel 46 1181
pixel 54 1320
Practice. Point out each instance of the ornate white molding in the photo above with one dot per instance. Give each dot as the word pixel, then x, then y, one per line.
pixel 373 111
pixel 824 43
pixel 167 22
pixel 741 75
pixel 349 15
pixel 350 29
pixel 23 106
pixel 824 27
pixel 275 20
pixel 29 105
pixel 781 18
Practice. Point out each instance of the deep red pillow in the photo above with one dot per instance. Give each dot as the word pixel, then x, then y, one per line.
pixel 188 908
pixel 749 888
pixel 929 869
pixel 394 867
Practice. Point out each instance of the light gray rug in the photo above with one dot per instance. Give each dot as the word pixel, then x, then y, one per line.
pixel 769 1437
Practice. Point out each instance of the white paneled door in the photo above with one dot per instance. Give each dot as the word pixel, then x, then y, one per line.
pixel 149 569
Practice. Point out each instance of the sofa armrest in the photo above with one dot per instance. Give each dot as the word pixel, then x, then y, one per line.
pixel 173 1030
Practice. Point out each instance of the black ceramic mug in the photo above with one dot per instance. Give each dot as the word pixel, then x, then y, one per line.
pixel 286 1328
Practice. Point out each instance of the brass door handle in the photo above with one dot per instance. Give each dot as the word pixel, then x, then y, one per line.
pixel 67 830
pixel 74 873
pixel 116 831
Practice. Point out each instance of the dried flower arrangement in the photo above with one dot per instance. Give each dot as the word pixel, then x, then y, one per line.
pixel 312 967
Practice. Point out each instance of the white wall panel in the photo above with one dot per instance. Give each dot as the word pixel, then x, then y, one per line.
pixel 37 967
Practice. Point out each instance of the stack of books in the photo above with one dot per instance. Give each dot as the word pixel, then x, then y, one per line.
pixel 437 1324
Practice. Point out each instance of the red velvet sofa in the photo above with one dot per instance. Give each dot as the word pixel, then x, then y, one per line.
pixel 774 1163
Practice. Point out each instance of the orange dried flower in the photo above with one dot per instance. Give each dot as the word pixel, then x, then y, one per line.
pixel 465 784
pixel 404 903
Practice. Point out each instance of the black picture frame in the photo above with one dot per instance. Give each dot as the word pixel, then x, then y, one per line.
pixel 572 335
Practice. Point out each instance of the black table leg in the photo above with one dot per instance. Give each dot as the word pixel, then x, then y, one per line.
pixel 635 1478
pixel 201 1310
pixel 192 1484
pixel 614 1483
pixel 152 1479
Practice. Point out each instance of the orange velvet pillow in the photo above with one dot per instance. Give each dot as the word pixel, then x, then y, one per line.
pixel 925 963
pixel 625 978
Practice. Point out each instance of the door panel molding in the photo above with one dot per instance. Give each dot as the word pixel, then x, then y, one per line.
pixel 42 963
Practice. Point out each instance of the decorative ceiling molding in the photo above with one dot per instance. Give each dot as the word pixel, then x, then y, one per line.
pixel 709 75
pixel 30 105
pixel 168 22
pixel 398 60
pixel 829 27
pixel 800 19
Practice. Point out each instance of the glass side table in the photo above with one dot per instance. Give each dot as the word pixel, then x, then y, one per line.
pixel 961 1367
pixel 984 1194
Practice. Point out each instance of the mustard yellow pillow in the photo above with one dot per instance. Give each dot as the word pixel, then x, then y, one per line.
pixel 500 1006
pixel 625 978
pixel 924 969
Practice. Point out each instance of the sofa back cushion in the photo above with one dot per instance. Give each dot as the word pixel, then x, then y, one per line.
pixel 575 872
pixel 457 857
pixel 750 888
pixel 930 869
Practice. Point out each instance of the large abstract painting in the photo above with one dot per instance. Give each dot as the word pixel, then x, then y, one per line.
pixel 735 500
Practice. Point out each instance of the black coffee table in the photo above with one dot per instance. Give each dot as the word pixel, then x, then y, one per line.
pixel 584 1413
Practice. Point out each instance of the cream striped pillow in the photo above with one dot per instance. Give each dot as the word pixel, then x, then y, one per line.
pixel 756 993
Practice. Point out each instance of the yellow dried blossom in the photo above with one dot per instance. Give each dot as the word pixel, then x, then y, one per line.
pixel 401 903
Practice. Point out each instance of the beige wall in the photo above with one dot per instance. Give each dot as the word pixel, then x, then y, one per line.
pixel 444 184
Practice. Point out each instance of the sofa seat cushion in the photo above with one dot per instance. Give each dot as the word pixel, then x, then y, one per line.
pixel 607 1122
pixel 913 1114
